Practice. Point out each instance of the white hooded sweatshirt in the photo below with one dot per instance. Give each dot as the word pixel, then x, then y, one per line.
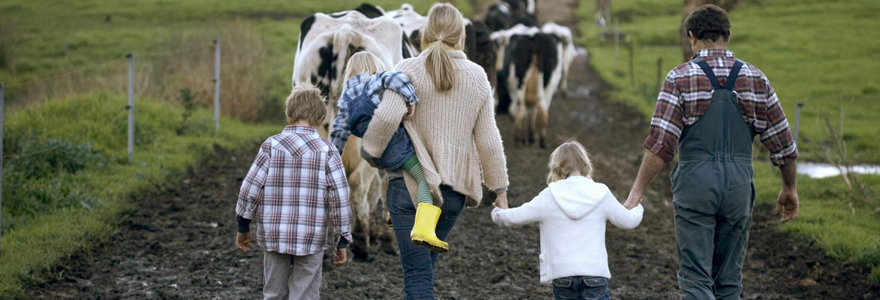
pixel 572 214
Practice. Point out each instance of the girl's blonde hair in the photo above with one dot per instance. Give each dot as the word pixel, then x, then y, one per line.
pixel 444 29
pixel 567 158
pixel 362 62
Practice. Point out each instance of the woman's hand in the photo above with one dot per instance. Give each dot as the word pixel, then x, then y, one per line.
pixel 501 201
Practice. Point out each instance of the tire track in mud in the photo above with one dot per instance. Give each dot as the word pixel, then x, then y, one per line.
pixel 178 242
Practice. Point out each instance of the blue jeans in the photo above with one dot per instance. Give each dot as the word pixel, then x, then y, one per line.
pixel 399 148
pixel 581 287
pixel 418 262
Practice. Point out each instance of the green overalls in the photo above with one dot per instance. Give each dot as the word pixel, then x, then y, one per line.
pixel 713 195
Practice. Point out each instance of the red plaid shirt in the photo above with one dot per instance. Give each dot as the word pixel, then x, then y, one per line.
pixel 687 94
pixel 294 191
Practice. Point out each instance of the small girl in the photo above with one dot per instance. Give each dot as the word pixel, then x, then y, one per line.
pixel 572 212
pixel 365 81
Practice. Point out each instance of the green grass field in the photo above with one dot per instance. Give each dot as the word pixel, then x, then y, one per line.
pixel 813 52
pixel 34 33
pixel 69 177
pixel 66 156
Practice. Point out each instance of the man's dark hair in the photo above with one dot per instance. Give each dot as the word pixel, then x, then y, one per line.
pixel 709 22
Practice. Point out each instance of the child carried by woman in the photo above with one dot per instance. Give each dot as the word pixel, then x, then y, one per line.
pixel 365 81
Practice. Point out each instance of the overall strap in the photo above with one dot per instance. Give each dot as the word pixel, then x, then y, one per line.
pixel 734 73
pixel 731 78
pixel 709 73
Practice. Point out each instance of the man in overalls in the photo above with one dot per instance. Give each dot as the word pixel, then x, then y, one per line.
pixel 712 122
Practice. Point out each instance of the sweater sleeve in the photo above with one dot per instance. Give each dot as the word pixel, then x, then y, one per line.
pixel 619 215
pixel 385 122
pixel 529 212
pixel 489 146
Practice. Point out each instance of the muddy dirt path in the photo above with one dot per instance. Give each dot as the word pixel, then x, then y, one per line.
pixel 179 243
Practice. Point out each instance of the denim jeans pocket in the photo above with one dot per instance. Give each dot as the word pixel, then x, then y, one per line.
pixel 399 200
pixel 563 288
pixel 595 288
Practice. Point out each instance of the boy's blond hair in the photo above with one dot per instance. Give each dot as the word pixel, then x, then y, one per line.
pixel 567 158
pixel 363 62
pixel 305 103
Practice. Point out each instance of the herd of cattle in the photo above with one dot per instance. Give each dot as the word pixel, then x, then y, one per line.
pixel 525 62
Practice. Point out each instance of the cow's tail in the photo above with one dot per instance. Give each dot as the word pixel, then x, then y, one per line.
pixel 532 84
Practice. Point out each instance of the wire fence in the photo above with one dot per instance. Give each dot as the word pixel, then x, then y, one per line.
pixel 38 87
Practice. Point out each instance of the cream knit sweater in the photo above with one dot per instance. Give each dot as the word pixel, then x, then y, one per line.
pixel 454 133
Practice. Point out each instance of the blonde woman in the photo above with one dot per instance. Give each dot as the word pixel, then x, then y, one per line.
pixel 576 264
pixel 455 137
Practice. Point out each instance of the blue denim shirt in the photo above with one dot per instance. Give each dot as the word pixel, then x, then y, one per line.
pixel 373 86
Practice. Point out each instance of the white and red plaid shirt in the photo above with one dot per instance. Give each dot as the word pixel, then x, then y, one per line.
pixel 687 94
pixel 294 191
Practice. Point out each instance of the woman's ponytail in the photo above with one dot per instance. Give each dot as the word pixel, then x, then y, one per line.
pixel 444 31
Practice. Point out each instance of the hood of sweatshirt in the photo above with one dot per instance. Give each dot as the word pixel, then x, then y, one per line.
pixel 578 195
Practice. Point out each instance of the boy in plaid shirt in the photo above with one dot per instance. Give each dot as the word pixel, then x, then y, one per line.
pixel 295 190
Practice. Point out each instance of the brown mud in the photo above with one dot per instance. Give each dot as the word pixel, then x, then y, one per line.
pixel 178 242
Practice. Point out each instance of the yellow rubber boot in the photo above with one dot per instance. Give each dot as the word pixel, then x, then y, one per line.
pixel 423 232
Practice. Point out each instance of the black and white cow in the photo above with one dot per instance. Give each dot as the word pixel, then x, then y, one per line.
pixel 531 72
pixel 569 52
pixel 326 42
pixel 485 51
pixel 506 14
pixel 477 44
pixel 501 41
pixel 526 6
pixel 412 23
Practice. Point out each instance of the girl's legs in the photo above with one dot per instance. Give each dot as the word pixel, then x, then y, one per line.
pixel 427 215
pixel 414 169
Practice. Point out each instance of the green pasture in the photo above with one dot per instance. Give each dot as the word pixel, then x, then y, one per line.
pixel 813 51
pixel 98 33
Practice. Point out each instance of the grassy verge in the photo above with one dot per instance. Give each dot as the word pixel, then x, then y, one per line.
pixel 811 55
pixel 70 178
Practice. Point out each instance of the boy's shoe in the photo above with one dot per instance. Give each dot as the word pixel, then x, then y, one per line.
pixel 423 232
pixel 388 220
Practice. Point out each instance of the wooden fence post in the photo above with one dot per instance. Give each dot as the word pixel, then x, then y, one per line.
pixel 217 85
pixel 1 152
pixel 797 121
pixel 130 107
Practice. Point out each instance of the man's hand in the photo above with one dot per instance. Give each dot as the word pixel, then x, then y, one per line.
pixel 243 241
pixel 340 257
pixel 410 110
pixel 651 165
pixel 634 199
pixel 787 204
pixel 501 201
